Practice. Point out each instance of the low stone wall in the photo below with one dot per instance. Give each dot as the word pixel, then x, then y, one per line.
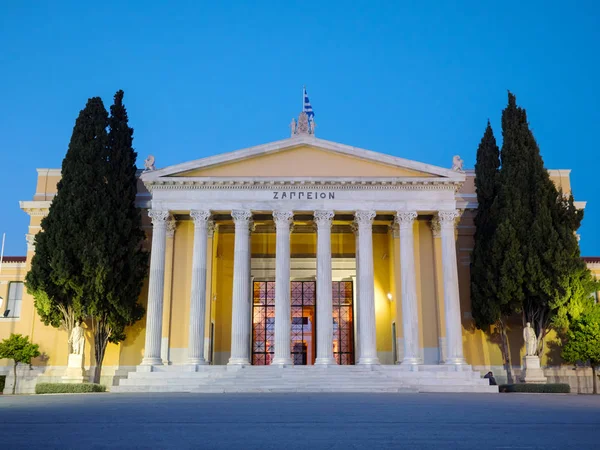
pixel 27 378
pixel 579 379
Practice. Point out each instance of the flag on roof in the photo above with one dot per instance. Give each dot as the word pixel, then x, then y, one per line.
pixel 307 108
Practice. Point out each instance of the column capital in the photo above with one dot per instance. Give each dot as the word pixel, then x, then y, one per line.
pixel 395 229
pixel 435 227
pixel 171 225
pixel 283 219
pixel 364 218
pixel 200 217
pixel 447 219
pixel 405 219
pixel 212 227
pixel 158 216
pixel 241 216
pixel 323 218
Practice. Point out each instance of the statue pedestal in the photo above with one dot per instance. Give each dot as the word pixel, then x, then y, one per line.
pixel 532 372
pixel 75 372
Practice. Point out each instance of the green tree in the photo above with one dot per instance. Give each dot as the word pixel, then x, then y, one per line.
pixel 583 340
pixel 20 350
pixel 119 265
pixel 56 277
pixel 494 278
pixel 544 224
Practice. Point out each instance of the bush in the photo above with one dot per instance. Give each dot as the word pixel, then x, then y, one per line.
pixel 2 382
pixel 68 388
pixel 551 388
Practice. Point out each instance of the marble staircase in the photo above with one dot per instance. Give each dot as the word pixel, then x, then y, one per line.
pixel 227 379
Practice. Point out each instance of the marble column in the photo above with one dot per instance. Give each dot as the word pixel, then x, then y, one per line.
pixel 283 312
pixel 356 311
pixel 168 291
pixel 198 293
pixel 240 322
pixel 454 351
pixel 323 220
pixel 439 287
pixel 156 285
pixel 410 316
pixel 366 283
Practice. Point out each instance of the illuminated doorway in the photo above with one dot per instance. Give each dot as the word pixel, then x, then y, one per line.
pixel 263 323
pixel 303 340
pixel 303 337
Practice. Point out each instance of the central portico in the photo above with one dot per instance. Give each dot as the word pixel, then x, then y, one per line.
pixel 305 185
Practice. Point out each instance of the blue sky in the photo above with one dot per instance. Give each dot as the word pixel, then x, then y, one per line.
pixel 414 79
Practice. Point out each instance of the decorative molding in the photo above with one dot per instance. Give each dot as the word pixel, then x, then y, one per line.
pixel 379 184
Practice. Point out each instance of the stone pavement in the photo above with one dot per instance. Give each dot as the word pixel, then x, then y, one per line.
pixel 299 421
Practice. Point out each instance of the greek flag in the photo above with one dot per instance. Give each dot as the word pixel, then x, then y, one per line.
pixel 307 108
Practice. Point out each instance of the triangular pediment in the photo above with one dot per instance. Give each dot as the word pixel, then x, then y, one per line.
pixel 302 157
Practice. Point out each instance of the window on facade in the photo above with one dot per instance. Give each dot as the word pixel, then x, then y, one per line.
pixel 15 298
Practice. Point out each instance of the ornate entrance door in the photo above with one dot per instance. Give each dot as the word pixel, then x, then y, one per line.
pixel 303 337
pixel 263 322
pixel 343 326
pixel 303 333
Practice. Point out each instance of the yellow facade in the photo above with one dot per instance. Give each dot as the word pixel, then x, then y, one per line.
pixel 479 348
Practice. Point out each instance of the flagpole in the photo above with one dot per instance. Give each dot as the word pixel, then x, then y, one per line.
pixel 303 90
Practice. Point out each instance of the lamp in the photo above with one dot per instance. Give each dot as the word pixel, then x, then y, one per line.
pixel 389 296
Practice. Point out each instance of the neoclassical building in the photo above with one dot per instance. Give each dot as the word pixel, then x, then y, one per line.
pixel 299 252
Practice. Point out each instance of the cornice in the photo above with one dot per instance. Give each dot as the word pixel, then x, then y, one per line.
pixel 184 183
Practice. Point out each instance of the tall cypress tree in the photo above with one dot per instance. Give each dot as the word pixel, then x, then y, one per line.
pixel 122 264
pixel 543 221
pixel 56 279
pixel 493 275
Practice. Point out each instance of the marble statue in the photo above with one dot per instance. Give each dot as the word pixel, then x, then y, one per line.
pixel 457 164
pixel 313 126
pixel 293 127
pixel 77 339
pixel 530 340
pixel 149 164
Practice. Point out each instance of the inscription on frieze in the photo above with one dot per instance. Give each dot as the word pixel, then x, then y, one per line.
pixel 303 195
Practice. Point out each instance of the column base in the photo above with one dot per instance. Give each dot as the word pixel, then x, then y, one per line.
pixel 154 361
pixel 196 361
pixel 238 362
pixel 325 362
pixel 368 361
pixel 282 362
pixel 411 361
pixel 455 362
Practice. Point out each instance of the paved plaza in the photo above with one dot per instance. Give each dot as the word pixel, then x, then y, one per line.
pixel 300 421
